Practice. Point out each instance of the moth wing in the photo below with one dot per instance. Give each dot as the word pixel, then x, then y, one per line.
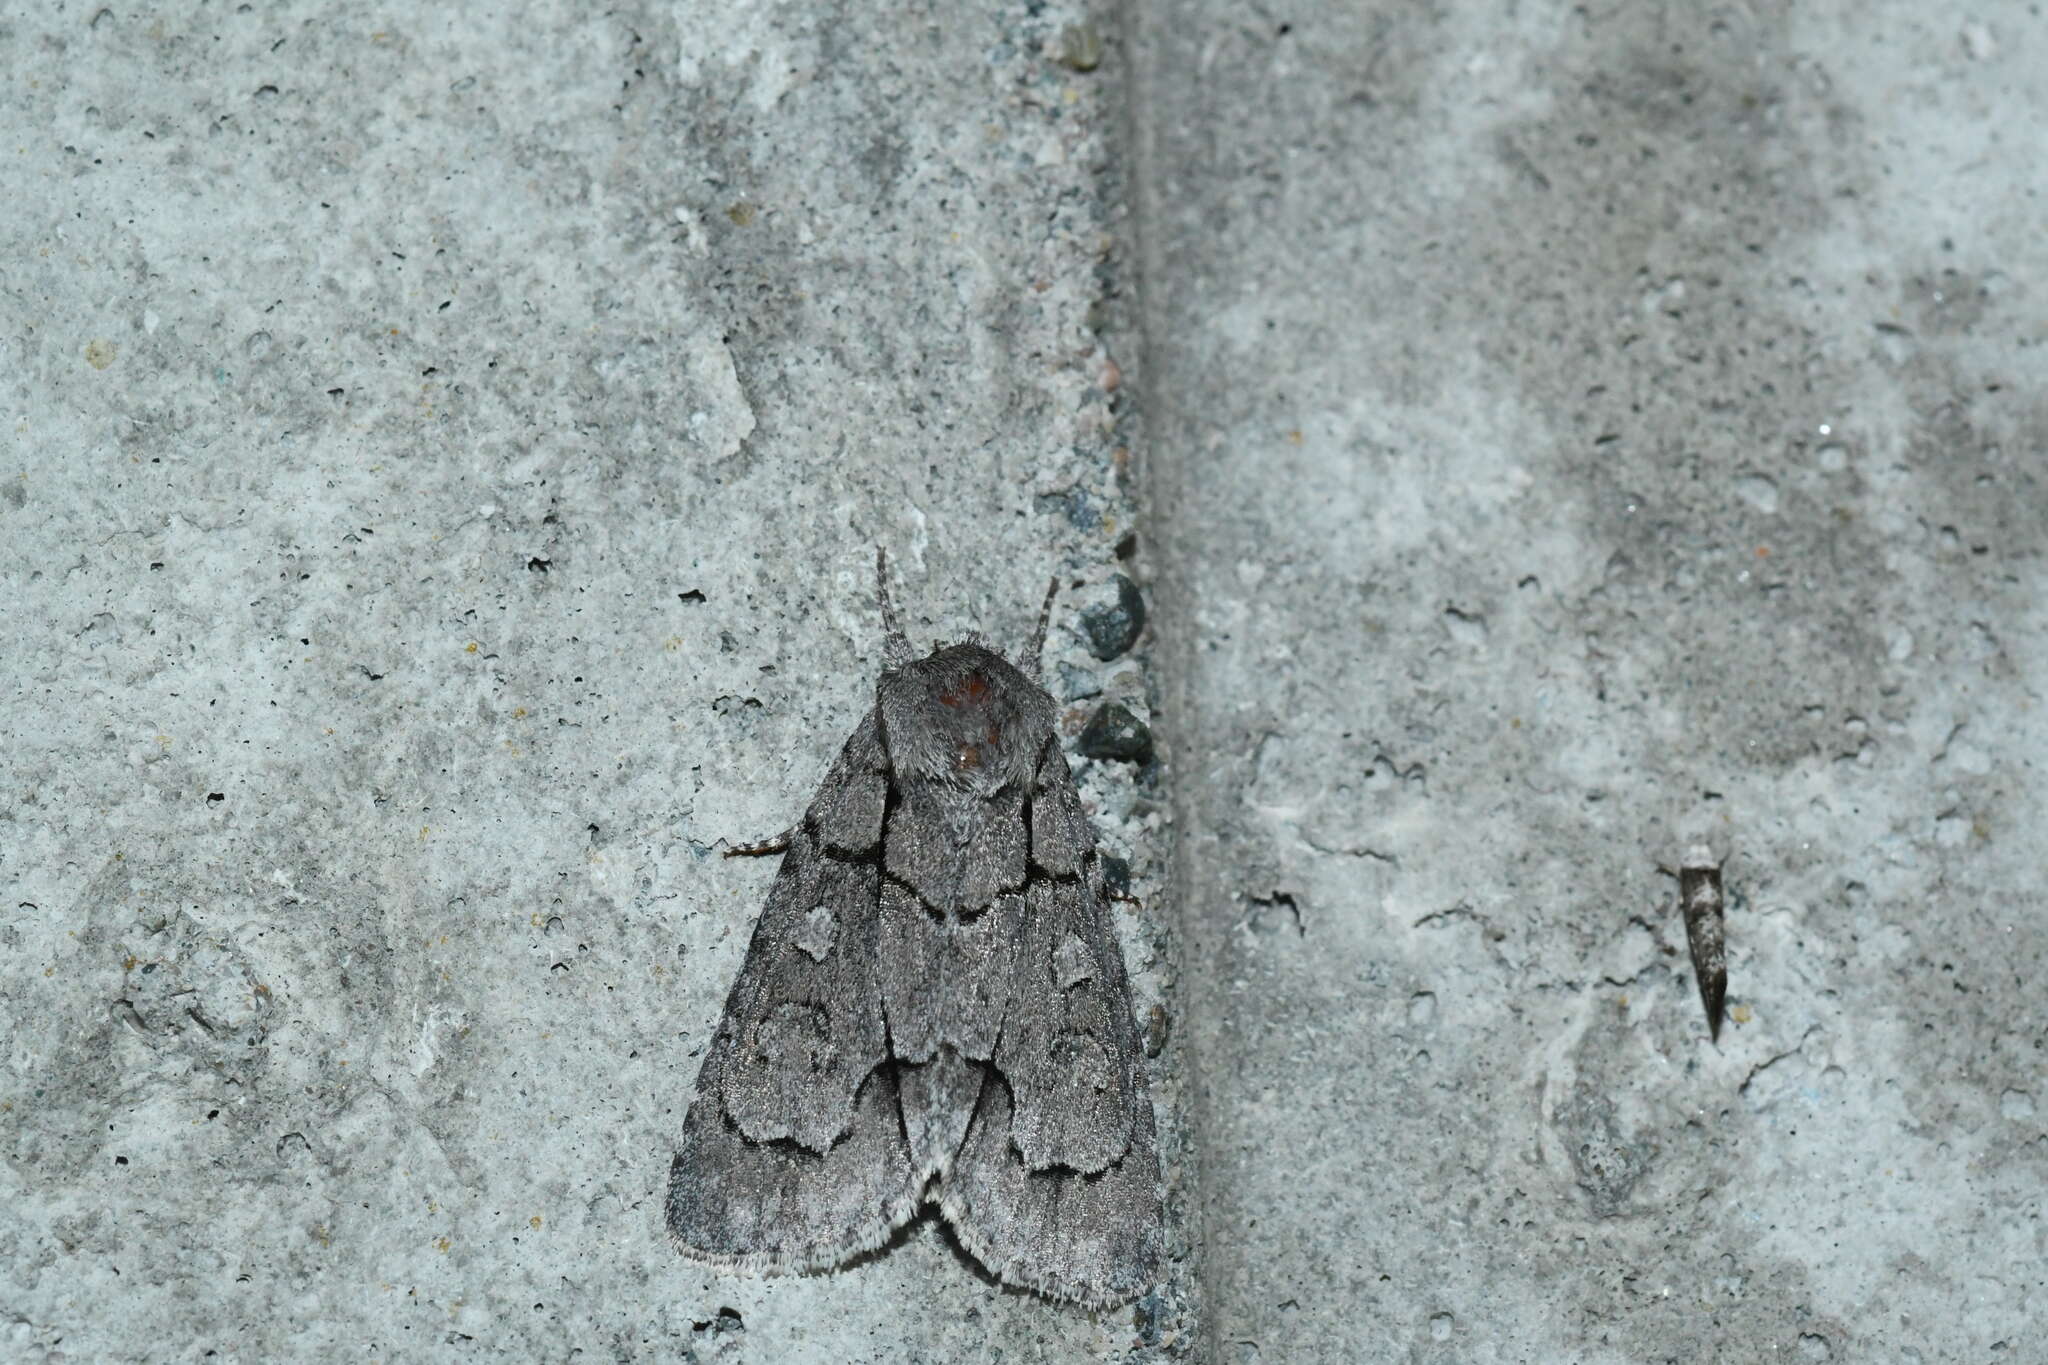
pixel 1069 1047
pixel 1056 1186
pixel 774 1205
pixel 792 1152
pixel 1094 1238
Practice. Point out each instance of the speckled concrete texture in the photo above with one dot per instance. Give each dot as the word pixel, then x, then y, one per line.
pixel 1581 431
pixel 446 454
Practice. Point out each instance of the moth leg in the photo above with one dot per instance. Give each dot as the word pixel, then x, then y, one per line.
pixel 777 844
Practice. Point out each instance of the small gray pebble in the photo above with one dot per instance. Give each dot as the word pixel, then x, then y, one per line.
pixel 1151 1309
pixel 1080 47
pixel 1158 1028
pixel 1114 733
pixel 1113 627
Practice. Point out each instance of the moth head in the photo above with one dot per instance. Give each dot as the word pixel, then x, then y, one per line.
pixel 964 715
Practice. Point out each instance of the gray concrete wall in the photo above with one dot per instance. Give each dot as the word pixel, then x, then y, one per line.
pixel 445 460
pixel 1580 431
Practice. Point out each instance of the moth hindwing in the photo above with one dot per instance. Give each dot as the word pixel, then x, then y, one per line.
pixel 933 1009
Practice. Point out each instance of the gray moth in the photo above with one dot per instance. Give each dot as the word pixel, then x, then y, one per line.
pixel 933 1009
pixel 1699 896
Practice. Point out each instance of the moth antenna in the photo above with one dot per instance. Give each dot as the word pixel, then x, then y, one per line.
pixel 1037 650
pixel 895 647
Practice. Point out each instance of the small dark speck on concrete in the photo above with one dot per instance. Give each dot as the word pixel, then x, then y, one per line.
pixel 727 1323
pixel 1269 914
pixel 1158 1028
pixel 1148 1313
pixel 1114 733
pixel 1113 627
pixel 1081 47
pixel 1116 875
pixel 1075 505
pixel 690 598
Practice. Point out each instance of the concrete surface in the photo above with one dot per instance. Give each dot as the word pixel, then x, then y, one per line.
pixel 1580 430
pixel 446 456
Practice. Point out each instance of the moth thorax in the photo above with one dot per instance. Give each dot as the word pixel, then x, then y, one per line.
pixel 972 715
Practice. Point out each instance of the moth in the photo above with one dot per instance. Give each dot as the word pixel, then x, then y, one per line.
pixel 933 1008
pixel 1699 896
